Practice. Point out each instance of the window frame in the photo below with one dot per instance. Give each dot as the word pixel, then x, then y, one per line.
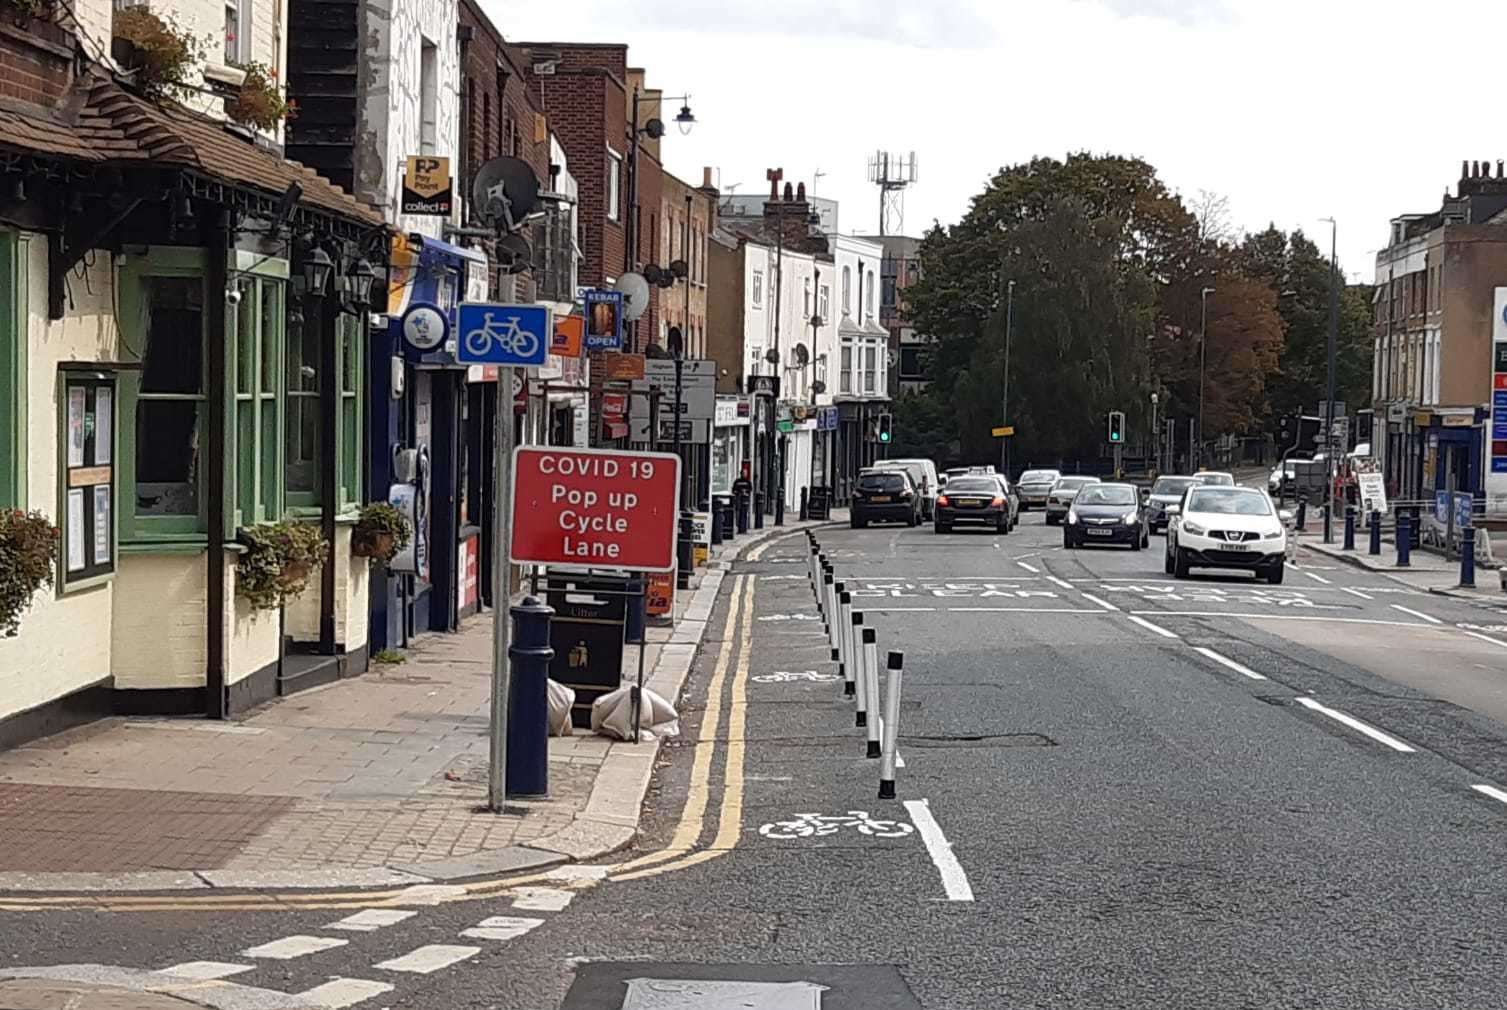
pixel 242 54
pixel 614 194
pixel 259 461
pixel 165 262
pixel 758 289
pixel 13 384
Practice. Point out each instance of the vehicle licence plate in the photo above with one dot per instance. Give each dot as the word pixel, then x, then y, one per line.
pixel 880 499
pixel 970 501
pixel 1099 533
pixel 1236 547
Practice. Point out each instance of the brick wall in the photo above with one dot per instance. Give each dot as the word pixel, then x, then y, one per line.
pixel 672 301
pixel 35 65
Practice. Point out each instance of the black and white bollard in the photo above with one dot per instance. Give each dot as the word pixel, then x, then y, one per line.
pixel 891 727
pixel 845 637
pixel 829 590
pixel 861 671
pixel 871 687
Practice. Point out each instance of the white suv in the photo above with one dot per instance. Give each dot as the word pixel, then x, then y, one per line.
pixel 1226 527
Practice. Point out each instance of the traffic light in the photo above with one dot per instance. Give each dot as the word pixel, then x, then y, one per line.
pixel 1285 431
pixel 1117 426
pixel 884 427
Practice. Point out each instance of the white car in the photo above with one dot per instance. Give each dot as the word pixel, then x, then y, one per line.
pixel 1060 498
pixel 1035 485
pixel 1227 527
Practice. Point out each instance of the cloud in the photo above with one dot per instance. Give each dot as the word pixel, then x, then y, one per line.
pixel 1187 13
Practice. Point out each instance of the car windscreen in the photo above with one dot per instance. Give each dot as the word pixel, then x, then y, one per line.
pixel 883 482
pixel 972 485
pixel 1229 501
pixel 1172 485
pixel 1038 476
pixel 1217 479
pixel 1107 495
pixel 1074 483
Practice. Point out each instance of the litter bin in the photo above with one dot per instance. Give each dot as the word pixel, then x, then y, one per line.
pixel 587 634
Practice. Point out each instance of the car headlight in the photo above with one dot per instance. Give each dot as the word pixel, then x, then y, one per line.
pixel 1131 519
pixel 1072 517
pixel 1193 528
pixel 1275 534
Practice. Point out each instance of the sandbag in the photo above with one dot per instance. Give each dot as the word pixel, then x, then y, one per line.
pixel 612 715
pixel 561 700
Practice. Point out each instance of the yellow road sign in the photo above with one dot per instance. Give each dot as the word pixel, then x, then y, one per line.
pixel 1004 432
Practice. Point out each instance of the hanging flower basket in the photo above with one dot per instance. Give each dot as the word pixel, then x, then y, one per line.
pixel 43 10
pixel 381 531
pixel 160 53
pixel 28 549
pixel 278 561
pixel 260 102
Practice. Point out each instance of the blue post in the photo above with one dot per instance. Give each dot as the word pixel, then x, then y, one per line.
pixel 1375 547
pixel 1468 557
pixel 758 510
pixel 528 699
pixel 685 548
pixel 637 612
pixel 1349 544
pixel 1404 540
pixel 717 531
pixel 1302 520
pixel 741 503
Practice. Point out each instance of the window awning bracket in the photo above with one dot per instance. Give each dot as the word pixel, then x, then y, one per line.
pixel 66 249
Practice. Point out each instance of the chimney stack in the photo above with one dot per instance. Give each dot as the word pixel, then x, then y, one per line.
pixel 1465 170
pixel 800 192
pixel 706 177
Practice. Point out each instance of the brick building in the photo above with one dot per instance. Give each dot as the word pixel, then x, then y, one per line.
pixel 898 270
pixel 687 217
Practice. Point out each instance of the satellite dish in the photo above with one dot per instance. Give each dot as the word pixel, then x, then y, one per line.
pixel 674 342
pixel 772 356
pixel 818 387
pixel 817 322
pixel 679 268
pixel 655 128
pixel 652 274
pixel 505 192
pixel 635 289
pixel 514 255
pixel 802 356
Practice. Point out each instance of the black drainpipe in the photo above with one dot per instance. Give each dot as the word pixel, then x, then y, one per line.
pixel 219 507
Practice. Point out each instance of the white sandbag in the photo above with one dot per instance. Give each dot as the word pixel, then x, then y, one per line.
pixel 561 700
pixel 612 715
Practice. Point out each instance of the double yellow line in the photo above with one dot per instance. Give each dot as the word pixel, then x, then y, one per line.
pixel 737 638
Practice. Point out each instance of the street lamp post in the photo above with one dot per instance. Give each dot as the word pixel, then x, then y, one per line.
pixel 1334 329
pixel 1004 449
pixel 655 128
pixel 1156 454
pixel 1203 357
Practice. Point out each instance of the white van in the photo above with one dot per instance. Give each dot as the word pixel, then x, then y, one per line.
pixel 923 473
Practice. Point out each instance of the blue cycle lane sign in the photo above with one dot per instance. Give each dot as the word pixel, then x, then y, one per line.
pixel 510 335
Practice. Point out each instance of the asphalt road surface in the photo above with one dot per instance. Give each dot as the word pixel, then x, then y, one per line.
pixel 1118 790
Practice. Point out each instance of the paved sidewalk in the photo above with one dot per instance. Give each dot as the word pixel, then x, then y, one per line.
pixel 1427 571
pixel 375 780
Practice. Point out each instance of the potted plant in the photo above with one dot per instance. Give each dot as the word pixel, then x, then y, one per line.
pixel 44 9
pixel 278 560
pixel 381 532
pixel 162 54
pixel 28 549
pixel 259 103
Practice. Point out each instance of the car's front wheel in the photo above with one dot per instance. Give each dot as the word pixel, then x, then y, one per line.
pixel 1274 573
pixel 1167 561
pixel 1051 519
pixel 1135 543
pixel 1180 564
pixel 1067 541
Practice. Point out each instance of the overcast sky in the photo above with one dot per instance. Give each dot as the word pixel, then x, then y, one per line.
pixel 1294 109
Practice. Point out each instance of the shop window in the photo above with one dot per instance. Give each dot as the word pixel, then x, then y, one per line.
pixel 301 434
pixel 163 322
pixel 12 371
pixel 870 357
pixel 352 357
pixel 845 373
pixel 259 325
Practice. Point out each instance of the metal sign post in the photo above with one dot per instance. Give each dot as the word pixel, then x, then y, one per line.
pixel 502 460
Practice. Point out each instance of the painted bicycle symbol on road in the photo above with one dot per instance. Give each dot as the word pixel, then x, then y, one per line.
pixel 514 340
pixel 819 825
pixel 794 676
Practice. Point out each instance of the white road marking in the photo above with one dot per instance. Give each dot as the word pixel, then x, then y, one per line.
pixel 343 992
pixel 954 880
pixel 1106 605
pixel 1152 627
pixel 430 894
pixel 1284 617
pixel 1064 583
pixel 1415 613
pixel 1033 570
pixel 369 919
pixel 1317 578
pixel 1019 610
pixel 1357 592
pixel 579 872
pixel 900 610
pixel 1487 638
pixel 290 947
pixel 541 899
pixel 205 971
pixel 1244 671
pixel 429 958
pixel 501 927
pixel 1491 791
pixel 1385 739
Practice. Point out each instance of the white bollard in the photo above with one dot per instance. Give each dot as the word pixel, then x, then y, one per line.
pixel 871 687
pixel 830 609
pixel 845 639
pixel 891 727
pixel 814 573
pixel 861 671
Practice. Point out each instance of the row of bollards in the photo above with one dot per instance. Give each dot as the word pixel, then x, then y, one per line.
pixel 855 650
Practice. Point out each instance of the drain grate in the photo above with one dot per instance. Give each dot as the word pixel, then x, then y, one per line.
pixel 980 740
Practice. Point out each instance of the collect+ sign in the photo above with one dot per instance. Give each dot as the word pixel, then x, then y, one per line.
pixel 583 506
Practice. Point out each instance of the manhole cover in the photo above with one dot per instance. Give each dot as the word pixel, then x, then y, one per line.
pixel 650 985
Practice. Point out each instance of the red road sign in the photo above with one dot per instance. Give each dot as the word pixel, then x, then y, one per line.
pixel 594 507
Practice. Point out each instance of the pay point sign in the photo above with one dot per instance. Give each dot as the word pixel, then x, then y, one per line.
pixel 594 507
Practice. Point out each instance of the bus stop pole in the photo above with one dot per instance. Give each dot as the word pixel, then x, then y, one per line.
pixel 502 463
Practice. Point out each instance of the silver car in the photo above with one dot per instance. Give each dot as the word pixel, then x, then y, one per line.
pixel 1060 498
pixel 1166 491
pixel 1034 487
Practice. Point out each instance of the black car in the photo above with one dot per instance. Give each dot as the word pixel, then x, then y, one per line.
pixel 973 499
pixel 1107 514
pixel 884 496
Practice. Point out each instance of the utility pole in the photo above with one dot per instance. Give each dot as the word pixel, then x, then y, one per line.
pixel 1156 454
pixel 1004 449
pixel 1196 452
pixel 1334 330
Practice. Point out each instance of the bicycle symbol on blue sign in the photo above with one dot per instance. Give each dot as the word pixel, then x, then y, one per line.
pixel 517 335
